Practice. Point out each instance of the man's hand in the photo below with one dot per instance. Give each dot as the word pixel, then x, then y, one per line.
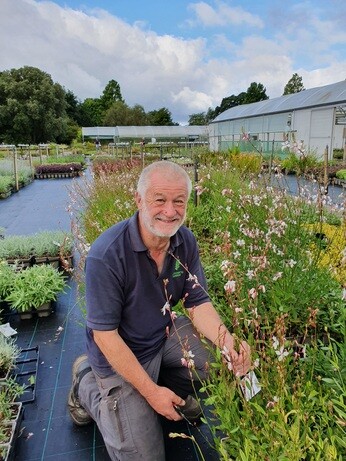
pixel 239 362
pixel 164 401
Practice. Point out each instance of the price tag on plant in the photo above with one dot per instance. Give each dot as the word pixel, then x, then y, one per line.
pixel 250 385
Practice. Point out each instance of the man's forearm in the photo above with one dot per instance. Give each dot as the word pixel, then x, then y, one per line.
pixel 123 361
pixel 208 323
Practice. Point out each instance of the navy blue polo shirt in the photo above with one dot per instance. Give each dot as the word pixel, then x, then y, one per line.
pixel 125 291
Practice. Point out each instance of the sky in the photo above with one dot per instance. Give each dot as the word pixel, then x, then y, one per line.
pixel 182 55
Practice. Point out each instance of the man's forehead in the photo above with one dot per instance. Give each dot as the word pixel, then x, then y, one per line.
pixel 161 191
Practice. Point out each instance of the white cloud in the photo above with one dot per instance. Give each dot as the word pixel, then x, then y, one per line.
pixel 222 15
pixel 84 50
pixel 197 101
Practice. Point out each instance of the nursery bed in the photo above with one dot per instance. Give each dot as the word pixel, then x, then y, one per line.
pixel 47 432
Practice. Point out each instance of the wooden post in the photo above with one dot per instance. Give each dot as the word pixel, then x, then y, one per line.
pixel 271 160
pixel 142 154
pixel 326 180
pixel 30 158
pixel 15 168
pixel 196 179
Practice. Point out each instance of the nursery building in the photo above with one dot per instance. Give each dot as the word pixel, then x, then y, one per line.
pixel 315 117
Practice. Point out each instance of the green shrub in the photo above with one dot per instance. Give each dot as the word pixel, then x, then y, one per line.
pixel 338 153
pixel 299 164
pixel 6 184
pixel 341 174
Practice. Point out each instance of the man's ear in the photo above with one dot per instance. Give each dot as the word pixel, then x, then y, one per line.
pixel 138 200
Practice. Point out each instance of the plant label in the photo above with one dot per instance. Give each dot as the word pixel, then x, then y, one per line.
pixel 250 385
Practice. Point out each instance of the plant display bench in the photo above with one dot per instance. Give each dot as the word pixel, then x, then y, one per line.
pixel 72 174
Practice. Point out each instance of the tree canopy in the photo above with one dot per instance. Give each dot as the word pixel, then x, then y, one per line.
pixel 256 92
pixel 294 85
pixel 32 107
pixel 111 94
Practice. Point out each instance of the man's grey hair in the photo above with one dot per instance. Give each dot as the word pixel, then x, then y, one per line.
pixel 166 167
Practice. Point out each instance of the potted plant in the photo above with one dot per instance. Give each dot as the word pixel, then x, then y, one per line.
pixel 34 289
pixel 52 247
pixel 11 413
pixel 9 352
pixel 7 276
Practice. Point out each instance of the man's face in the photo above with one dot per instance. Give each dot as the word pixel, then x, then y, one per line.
pixel 163 208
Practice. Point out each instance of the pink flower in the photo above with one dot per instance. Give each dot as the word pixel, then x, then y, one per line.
pixel 187 360
pixel 253 293
pixel 230 286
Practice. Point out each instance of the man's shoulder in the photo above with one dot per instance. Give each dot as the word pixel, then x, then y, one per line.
pixel 186 234
pixel 110 240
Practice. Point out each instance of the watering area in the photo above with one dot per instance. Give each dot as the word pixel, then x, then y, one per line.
pixel 52 344
pixel 294 185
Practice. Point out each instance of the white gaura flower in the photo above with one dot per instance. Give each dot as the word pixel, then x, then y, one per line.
pixel 277 276
pixel 291 263
pixel 230 286
pixel 250 274
pixel 166 308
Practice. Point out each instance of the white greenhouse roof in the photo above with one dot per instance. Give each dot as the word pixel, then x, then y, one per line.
pixel 313 97
pixel 157 132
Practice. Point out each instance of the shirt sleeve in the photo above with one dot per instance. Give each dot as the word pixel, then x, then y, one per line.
pixel 104 295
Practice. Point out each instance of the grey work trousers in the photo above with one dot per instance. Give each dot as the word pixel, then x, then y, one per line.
pixel 131 429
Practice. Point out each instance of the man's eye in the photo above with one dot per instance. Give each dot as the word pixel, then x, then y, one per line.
pixel 159 200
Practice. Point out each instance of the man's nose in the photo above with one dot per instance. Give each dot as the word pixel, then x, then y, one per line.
pixel 169 209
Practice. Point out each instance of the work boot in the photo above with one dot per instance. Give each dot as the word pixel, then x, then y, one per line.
pixel 78 414
pixel 191 410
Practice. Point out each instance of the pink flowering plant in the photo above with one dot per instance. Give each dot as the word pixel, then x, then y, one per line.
pixel 270 288
pixel 262 262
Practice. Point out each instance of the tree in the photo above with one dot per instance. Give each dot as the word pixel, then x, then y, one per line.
pixel 137 116
pixel 230 101
pixel 117 115
pixel 92 112
pixel 120 114
pixel 202 118
pixel 294 85
pixel 111 94
pixel 160 117
pixel 197 119
pixel 32 107
pixel 255 93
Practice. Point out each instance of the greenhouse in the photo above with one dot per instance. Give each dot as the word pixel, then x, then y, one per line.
pixel 150 134
pixel 316 118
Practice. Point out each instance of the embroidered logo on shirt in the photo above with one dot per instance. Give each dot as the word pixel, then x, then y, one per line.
pixel 178 270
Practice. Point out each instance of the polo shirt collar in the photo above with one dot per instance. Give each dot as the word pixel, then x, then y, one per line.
pixel 136 239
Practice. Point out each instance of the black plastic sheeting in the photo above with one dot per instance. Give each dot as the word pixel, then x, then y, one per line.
pixel 47 432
